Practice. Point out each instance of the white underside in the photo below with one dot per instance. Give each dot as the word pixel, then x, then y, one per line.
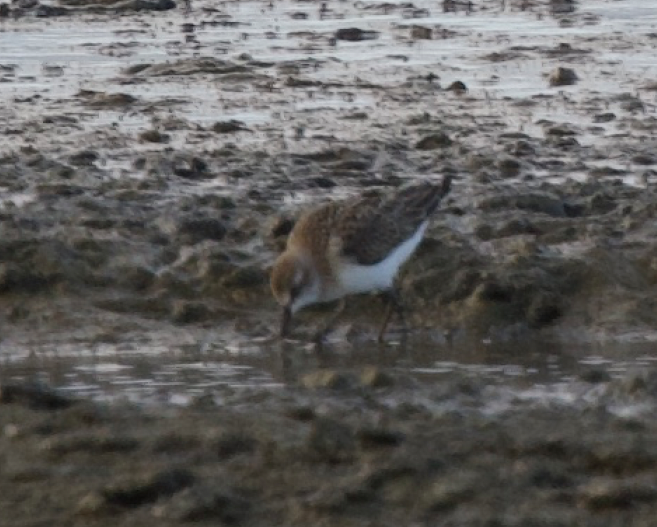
pixel 353 278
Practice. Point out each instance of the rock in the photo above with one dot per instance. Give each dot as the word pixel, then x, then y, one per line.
pixel 421 33
pixel 148 489
pixel 604 117
pixel 356 116
pixel 562 77
pixel 559 131
pixel 122 6
pixel 106 100
pixel 154 136
pixel 644 159
pixel 136 68
pixel 509 167
pixel 229 127
pixel 560 7
pixel 194 168
pixel 296 82
pixel 457 87
pixel 354 34
pixel 434 141
pixel 84 158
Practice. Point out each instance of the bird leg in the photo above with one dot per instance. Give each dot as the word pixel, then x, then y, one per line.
pixel 325 328
pixel 393 299
pixel 286 322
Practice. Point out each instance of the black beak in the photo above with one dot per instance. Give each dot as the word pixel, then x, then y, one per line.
pixel 286 321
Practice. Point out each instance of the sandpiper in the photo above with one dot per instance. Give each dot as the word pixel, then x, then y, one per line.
pixel 353 246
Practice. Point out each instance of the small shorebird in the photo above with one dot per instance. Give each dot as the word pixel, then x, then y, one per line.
pixel 353 246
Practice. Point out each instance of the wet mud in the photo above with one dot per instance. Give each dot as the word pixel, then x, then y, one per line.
pixel 154 158
pixel 336 448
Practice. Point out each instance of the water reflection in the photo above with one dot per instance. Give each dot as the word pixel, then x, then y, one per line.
pixel 179 375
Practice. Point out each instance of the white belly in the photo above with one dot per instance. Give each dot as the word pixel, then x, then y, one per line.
pixel 379 277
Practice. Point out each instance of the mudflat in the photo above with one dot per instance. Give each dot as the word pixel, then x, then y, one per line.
pixel 154 158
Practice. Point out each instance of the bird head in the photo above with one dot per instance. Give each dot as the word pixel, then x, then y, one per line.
pixel 294 284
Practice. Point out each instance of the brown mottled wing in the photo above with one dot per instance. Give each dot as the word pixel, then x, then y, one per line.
pixel 314 226
pixel 371 228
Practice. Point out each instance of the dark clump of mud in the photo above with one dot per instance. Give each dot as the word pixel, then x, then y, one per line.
pixel 341 455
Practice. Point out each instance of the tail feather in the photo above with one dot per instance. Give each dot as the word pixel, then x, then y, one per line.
pixel 370 230
pixel 423 199
pixel 442 191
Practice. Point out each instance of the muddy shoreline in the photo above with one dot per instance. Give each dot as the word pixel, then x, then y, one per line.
pixel 338 449
pixel 154 159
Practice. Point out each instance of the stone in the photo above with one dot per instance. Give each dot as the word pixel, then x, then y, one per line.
pixel 562 77
pixel 434 141
pixel 354 34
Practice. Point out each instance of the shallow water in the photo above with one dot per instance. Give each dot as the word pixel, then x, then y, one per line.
pixel 529 371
